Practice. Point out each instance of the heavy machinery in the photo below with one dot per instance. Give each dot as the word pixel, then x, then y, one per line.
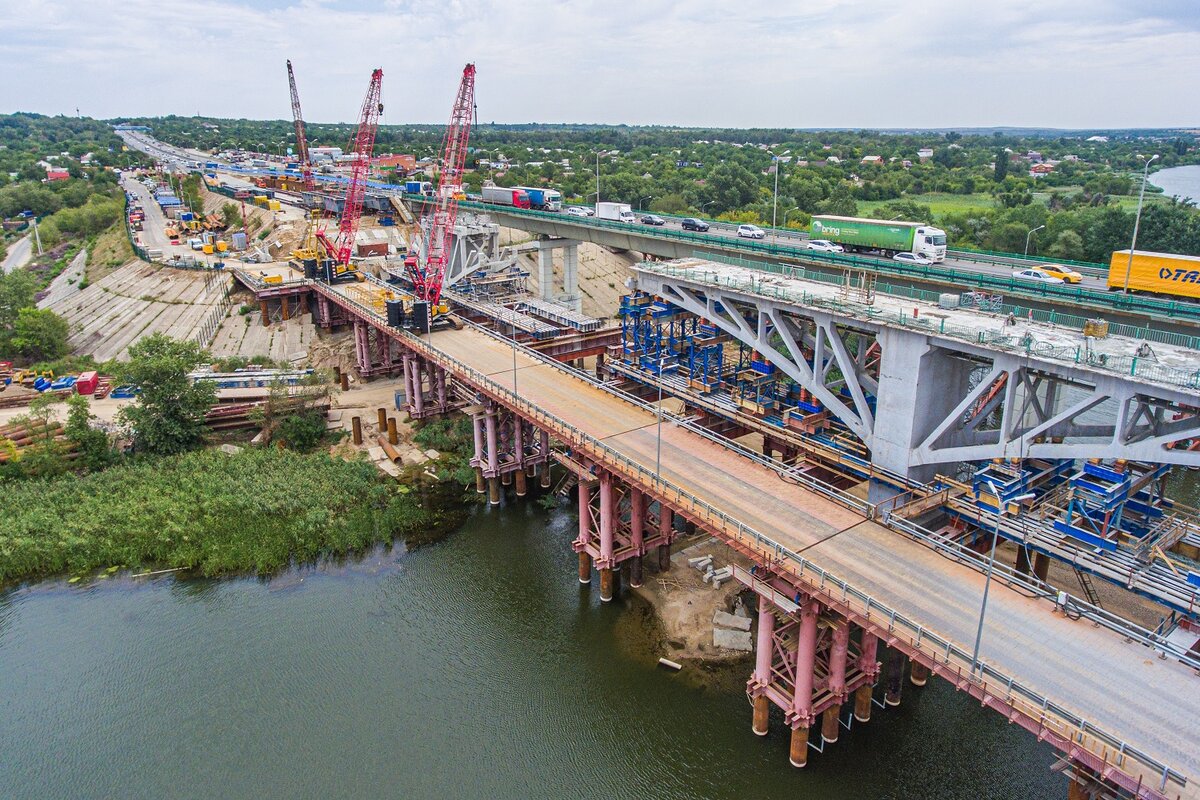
pixel 329 259
pixel 428 270
pixel 309 249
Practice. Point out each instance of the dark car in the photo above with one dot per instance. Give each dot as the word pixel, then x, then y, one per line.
pixel 653 219
pixel 693 224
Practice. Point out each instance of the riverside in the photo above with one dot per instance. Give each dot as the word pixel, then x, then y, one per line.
pixel 474 667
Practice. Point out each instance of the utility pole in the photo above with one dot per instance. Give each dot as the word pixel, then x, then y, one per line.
pixel 1137 220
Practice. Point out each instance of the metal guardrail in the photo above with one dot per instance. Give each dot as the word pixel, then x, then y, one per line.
pixel 1134 304
pixel 1132 366
pixel 1090 268
pixel 1051 716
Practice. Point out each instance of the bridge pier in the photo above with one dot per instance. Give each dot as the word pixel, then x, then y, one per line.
pixel 570 286
pixel 895 678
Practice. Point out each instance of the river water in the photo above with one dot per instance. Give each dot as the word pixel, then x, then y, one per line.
pixel 1178 181
pixel 476 667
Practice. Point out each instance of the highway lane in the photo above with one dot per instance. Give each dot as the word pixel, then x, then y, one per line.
pixel 790 237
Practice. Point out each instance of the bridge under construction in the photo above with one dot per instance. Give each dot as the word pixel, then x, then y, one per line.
pixel 856 591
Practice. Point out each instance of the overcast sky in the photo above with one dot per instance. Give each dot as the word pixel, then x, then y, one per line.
pixel 777 63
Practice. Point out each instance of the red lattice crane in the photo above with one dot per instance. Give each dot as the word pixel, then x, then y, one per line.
pixel 301 136
pixel 362 148
pixel 429 275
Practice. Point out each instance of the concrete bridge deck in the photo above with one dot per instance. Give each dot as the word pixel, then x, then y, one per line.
pixel 1126 694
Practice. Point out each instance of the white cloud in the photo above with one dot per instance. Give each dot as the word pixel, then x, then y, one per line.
pixel 872 63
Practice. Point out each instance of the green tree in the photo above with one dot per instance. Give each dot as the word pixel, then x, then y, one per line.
pixel 17 290
pixel 1068 246
pixel 168 416
pixel 670 204
pixel 95 450
pixel 840 202
pixel 231 215
pixel 732 187
pixel 1001 170
pixel 40 334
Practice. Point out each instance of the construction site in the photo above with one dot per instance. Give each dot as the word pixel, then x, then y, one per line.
pixel 876 465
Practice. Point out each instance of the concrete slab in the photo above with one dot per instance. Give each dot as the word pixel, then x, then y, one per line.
pixel 722 619
pixel 732 640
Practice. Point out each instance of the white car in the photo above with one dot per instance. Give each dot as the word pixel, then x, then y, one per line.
pixel 911 258
pixel 751 232
pixel 1036 275
pixel 577 211
pixel 825 246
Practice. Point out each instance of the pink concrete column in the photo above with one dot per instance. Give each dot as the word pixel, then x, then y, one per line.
pixel 607 511
pixel 385 351
pixel 418 386
pixel 477 431
pixel 441 389
pixel 518 442
pixel 868 659
pixel 408 382
pixel 637 534
pixel 763 656
pixel 665 518
pixel 806 652
pixel 837 660
pixel 585 532
pixel 493 449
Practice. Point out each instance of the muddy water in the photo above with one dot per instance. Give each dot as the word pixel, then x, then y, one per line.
pixel 475 667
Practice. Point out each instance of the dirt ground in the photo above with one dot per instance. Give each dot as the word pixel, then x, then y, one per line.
pixel 685 604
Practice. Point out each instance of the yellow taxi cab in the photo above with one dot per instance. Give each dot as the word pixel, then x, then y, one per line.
pixel 1065 274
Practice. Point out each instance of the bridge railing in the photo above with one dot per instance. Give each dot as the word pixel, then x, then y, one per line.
pixel 1116 301
pixel 986 679
pixel 1132 366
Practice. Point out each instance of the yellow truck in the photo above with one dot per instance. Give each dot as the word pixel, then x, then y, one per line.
pixel 1158 273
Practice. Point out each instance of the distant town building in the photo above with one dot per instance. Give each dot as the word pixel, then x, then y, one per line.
pixel 834 160
pixel 1033 157
pixel 872 159
pixel 924 154
pixel 57 175
pixel 1097 139
pixel 390 162
pixel 1038 170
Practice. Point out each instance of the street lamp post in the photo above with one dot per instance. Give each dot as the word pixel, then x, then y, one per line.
pixel 786 213
pixel 1031 233
pixel 987 584
pixel 1137 220
pixel 640 199
pixel 598 177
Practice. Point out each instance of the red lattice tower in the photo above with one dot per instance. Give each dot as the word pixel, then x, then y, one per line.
pixel 428 278
pixel 362 148
pixel 301 136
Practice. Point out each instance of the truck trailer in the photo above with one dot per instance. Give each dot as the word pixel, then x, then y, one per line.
pixel 617 212
pixel 1159 273
pixel 543 199
pixel 418 187
pixel 856 235
pixel 506 196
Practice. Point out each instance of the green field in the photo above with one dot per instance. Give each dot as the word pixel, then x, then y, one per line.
pixel 938 202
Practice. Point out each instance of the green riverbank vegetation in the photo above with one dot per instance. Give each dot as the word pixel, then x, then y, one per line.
pixel 255 511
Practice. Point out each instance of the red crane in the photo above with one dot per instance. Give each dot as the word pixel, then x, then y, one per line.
pixel 362 148
pixel 301 137
pixel 428 277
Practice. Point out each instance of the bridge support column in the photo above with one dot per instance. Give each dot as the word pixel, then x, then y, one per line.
pixel 571 277
pixel 493 456
pixel 868 664
pixel 665 527
pixel 763 657
pixel 830 722
pixel 442 395
pixel 862 703
pixel 798 750
pixel 918 673
pixel 607 512
pixel 1022 564
pixel 895 678
pixel 637 532
pixel 303 303
pixel 284 308
pixel 265 310
pixel 545 271
pixel 519 480
pixel 480 483
pixel 1041 566
pixel 585 532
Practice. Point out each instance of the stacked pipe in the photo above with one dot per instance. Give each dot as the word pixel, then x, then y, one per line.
pixel 240 416
pixel 23 435
pixel 23 399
